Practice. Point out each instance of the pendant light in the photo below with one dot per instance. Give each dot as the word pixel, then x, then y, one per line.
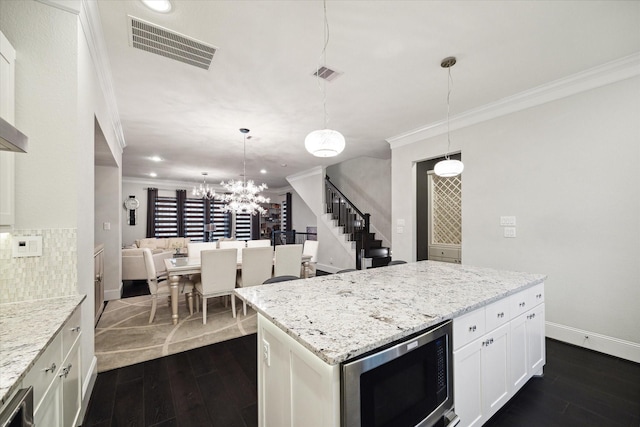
pixel 448 167
pixel 243 196
pixel 324 142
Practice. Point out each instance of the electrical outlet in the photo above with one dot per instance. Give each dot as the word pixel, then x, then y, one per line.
pixel 266 352
pixel 509 232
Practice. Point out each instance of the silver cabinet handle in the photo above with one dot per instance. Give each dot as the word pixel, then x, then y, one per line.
pixel 501 315
pixel 75 329
pixel 522 304
pixel 50 368
pixel 472 328
pixel 65 371
pixel 487 342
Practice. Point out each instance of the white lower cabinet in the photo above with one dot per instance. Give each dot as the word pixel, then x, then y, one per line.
pixel 481 377
pixel 295 387
pixel 489 370
pixel 56 378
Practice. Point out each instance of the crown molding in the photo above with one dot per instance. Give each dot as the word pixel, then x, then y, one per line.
pixel 90 20
pixel 611 72
pixel 316 170
pixel 71 6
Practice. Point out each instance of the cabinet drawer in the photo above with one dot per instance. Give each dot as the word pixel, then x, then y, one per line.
pixel 444 252
pixel 468 327
pixel 536 294
pixel 45 370
pixel 497 314
pixel 70 332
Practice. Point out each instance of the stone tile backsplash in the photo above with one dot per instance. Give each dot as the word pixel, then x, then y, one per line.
pixel 51 275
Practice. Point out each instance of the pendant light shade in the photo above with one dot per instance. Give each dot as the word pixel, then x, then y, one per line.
pixel 448 168
pixel 324 143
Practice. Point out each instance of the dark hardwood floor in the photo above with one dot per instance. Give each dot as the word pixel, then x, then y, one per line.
pixel 217 386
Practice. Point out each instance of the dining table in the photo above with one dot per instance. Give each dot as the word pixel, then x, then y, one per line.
pixel 184 266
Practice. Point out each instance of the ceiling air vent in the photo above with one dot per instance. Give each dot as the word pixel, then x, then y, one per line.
pixel 146 36
pixel 326 73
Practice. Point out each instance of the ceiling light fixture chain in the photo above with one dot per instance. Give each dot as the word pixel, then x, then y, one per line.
pixel 448 168
pixel 324 142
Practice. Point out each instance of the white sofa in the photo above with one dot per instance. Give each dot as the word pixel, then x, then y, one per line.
pixel 133 263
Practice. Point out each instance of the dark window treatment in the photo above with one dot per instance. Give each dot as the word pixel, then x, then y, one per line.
pixel 152 196
pixel 181 197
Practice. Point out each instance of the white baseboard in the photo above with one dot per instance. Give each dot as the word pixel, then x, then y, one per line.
pixel 113 294
pixel 87 387
pixel 613 346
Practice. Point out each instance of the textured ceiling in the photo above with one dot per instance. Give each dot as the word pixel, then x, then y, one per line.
pixel 388 52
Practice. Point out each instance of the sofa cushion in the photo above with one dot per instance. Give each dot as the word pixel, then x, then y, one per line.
pixel 177 242
pixel 147 243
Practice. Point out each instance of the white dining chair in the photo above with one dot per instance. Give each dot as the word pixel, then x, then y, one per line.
pixel 228 244
pixel 217 277
pixel 287 260
pixel 194 249
pixel 257 264
pixel 159 287
pixel 310 247
pixel 258 243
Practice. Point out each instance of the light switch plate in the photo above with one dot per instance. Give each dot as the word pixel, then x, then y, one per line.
pixel 508 221
pixel 27 246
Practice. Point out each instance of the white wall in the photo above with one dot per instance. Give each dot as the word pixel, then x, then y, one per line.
pixel 58 98
pixel 303 217
pixel 366 181
pixel 577 222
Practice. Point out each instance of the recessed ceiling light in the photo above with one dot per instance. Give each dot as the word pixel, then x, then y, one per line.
pixel 162 6
pixel 284 165
pixel 263 171
pixel 153 174
pixel 156 158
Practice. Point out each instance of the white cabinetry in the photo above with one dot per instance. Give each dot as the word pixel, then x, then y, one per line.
pixel 56 380
pixel 527 336
pixel 7 106
pixel 489 367
pixel 295 387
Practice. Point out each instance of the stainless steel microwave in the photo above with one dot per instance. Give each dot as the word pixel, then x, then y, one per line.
pixel 407 384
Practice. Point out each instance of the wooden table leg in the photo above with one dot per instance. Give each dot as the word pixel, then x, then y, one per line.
pixel 173 287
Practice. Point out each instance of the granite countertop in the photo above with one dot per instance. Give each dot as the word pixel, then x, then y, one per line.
pixel 341 316
pixel 26 328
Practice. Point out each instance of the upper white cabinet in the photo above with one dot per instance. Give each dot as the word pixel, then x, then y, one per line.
pixel 7 108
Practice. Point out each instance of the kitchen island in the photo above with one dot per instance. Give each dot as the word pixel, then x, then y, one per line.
pixel 327 320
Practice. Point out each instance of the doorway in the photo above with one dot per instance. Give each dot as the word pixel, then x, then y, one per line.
pixel 438 214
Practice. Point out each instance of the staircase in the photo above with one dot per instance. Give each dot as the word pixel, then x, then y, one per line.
pixel 356 227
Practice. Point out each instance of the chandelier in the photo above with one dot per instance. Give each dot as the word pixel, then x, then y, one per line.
pixel 243 196
pixel 324 142
pixel 448 168
pixel 203 191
